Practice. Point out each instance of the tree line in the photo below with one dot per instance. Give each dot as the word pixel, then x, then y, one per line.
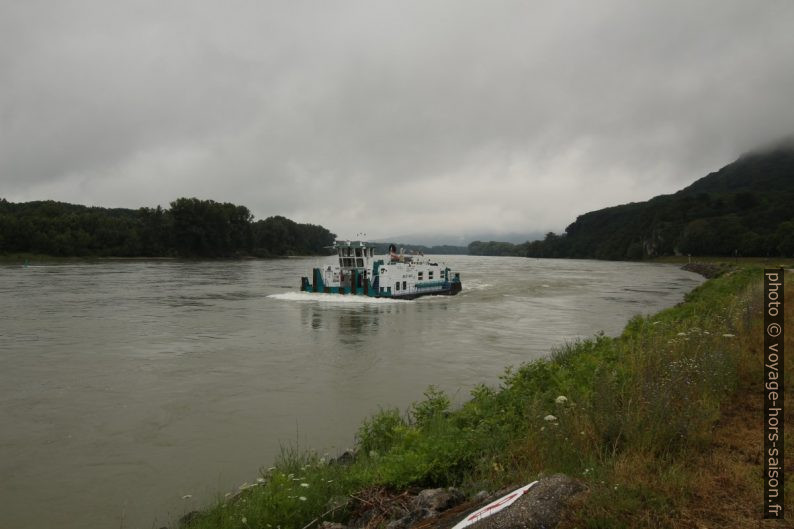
pixel 382 248
pixel 190 227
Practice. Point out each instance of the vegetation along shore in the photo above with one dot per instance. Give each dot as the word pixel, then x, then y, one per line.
pixel 658 427
pixel 189 228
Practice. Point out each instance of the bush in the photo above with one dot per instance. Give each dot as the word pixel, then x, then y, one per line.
pixel 436 403
pixel 382 431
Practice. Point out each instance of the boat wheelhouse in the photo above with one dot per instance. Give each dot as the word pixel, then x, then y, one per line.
pixel 360 272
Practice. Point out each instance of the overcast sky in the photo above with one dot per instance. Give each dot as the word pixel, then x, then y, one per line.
pixel 443 117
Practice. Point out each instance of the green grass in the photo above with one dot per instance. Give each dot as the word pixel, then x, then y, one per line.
pixel 620 413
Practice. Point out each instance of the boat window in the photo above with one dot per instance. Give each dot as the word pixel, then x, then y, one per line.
pixel 404 287
pixel 360 262
pixel 340 262
pixel 358 252
pixel 420 276
pixel 396 286
pixel 430 274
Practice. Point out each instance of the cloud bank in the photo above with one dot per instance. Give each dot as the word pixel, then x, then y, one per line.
pixel 444 118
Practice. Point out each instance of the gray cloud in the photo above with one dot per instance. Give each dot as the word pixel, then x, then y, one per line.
pixel 387 117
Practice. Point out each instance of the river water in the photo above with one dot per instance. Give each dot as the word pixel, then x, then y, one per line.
pixel 134 391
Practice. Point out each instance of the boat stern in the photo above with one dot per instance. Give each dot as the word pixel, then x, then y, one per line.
pixel 455 285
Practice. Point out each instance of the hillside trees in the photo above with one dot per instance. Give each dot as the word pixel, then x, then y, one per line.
pixel 189 228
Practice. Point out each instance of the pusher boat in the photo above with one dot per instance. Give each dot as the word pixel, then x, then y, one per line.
pixel 396 275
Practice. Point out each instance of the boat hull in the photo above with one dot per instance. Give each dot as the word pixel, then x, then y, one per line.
pixel 448 288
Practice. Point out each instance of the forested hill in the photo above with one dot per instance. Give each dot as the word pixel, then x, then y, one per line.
pixel 189 228
pixel 746 209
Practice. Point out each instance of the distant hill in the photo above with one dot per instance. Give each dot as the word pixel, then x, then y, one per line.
pixel 461 240
pixel 746 209
pixel 439 249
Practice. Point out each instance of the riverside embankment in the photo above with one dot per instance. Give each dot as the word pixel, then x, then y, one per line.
pixel 639 419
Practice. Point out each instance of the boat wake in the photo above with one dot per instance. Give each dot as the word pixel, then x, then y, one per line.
pixel 473 284
pixel 334 298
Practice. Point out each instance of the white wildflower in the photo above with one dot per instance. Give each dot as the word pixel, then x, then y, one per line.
pixel 549 418
pixel 305 485
pixel 302 498
pixel 681 334
pixel 260 480
pixel 728 335
pixel 244 520
pixel 562 399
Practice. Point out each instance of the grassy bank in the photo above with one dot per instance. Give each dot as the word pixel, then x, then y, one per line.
pixel 638 418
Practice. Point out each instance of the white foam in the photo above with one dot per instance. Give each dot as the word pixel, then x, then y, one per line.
pixel 333 298
pixel 475 285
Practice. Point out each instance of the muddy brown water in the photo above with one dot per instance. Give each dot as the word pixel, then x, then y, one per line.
pixel 134 391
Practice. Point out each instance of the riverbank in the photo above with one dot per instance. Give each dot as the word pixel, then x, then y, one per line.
pixel 639 419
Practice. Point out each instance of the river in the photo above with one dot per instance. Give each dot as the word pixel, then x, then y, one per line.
pixel 134 391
